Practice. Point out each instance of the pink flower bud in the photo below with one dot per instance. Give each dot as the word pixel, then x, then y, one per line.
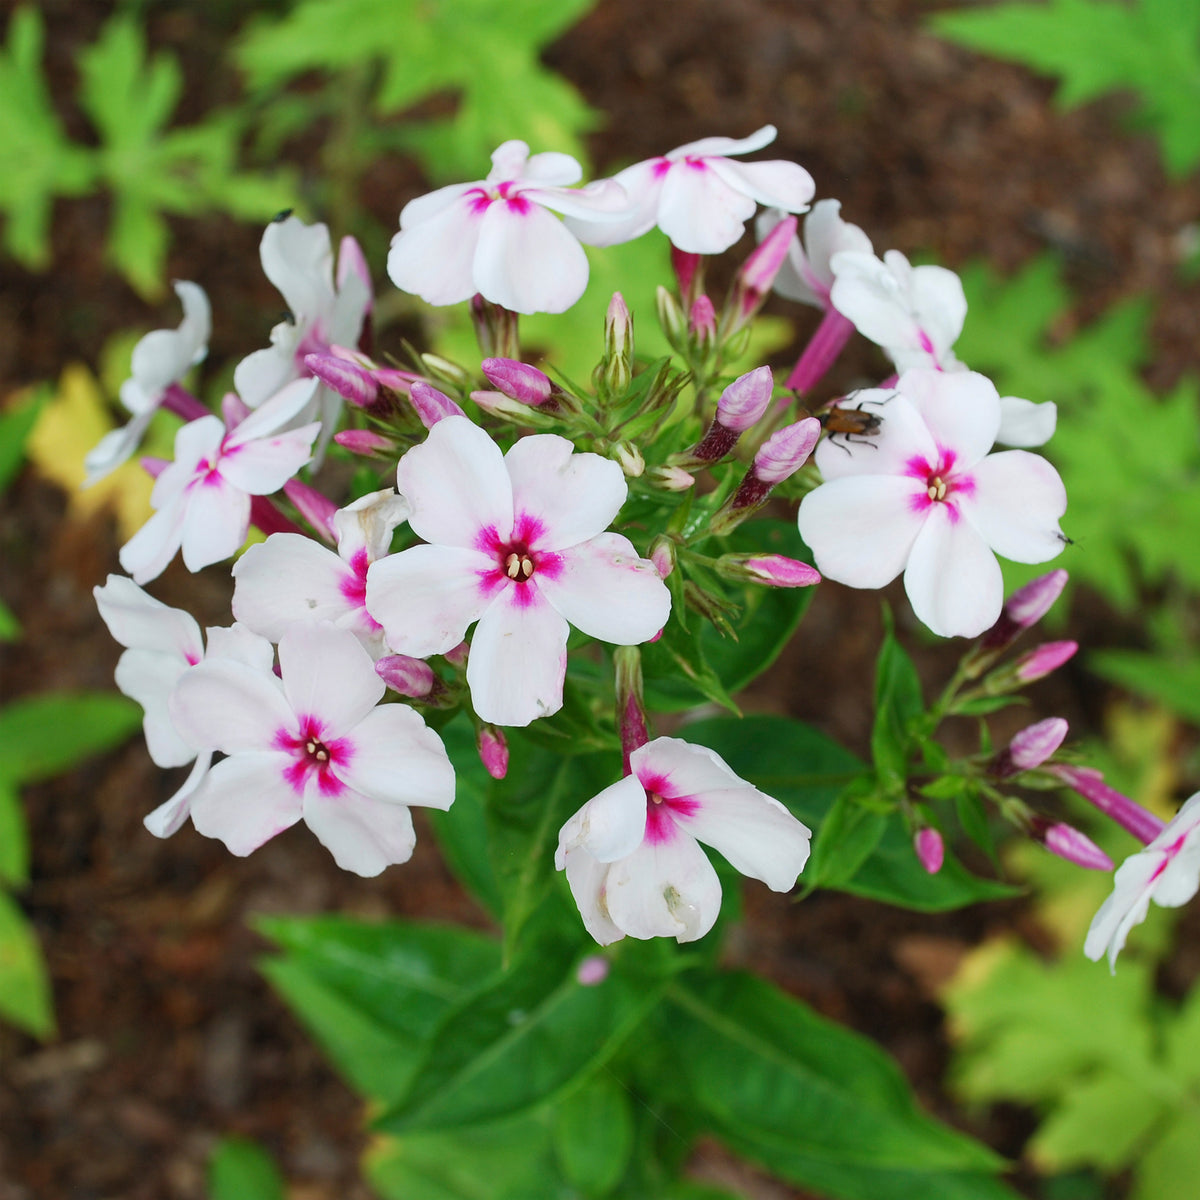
pixel 757 274
pixel 493 751
pixel 394 380
pixel 1024 608
pixel 592 970
pixel 1089 783
pixel 662 555
pixel 351 381
pixel 671 479
pixel 410 677
pixel 182 403
pixel 776 570
pixel 930 849
pixel 517 380
pixel 822 351
pixel 786 451
pixel 363 441
pixel 500 405
pixel 744 401
pixel 432 406
pixel 1043 659
pixel 456 656
pixel 1068 843
pixel 702 320
pixel 1035 743
pixel 686 266
pixel 233 410
pixel 316 508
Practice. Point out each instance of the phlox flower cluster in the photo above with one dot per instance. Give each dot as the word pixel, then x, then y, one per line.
pixel 515 522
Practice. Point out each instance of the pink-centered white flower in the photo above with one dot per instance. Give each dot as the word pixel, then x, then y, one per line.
pixel 498 236
pixel 163 643
pixel 517 542
pixel 290 577
pixel 325 310
pixel 632 853
pixel 925 497
pixel 312 744
pixel 700 197
pixel 160 359
pixel 202 500
pixel 1167 871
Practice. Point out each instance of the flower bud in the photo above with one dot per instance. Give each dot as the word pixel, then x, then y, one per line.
pixel 395 380
pixel 1036 743
pixel 500 405
pixel 689 273
pixel 617 366
pixel 1069 844
pixel 662 555
pixel 670 317
pixel 702 322
pixel 495 326
pixel 592 970
pixel 1089 783
pixel 493 751
pixel 411 677
pixel 629 458
pixel 444 369
pixel 1043 659
pixel 456 656
pixel 431 405
pixel 351 381
pixel 1024 608
pixel 233 410
pixel 786 451
pixel 670 479
pixel 745 400
pixel 316 508
pixel 517 380
pixel 752 284
pixel 930 849
pixel 364 442
pixel 774 570
pixel 353 262
pixel 631 711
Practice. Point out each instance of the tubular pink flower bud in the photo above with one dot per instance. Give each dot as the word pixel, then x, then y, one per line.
pixel 744 401
pixel 351 381
pixel 1089 783
pixel 631 711
pixel 1069 844
pixel 1043 659
pixel 1024 608
pixel 1036 743
pixel 364 442
pixel 493 751
pixel 495 326
pixel 592 970
pixel 822 351
pixel 408 676
pixel 752 284
pixel 702 321
pixel 670 479
pixel 395 380
pixel 182 403
pixel 786 451
pixel 517 380
pixel 431 405
pixel 316 508
pixel 776 570
pixel 930 849
pixel 688 271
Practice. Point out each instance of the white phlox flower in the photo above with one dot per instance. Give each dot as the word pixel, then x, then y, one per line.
pixel 516 542
pixel 312 744
pixel 161 644
pixel 1167 871
pixel 202 500
pixel 925 497
pixel 632 853
pixel 807 274
pixel 160 359
pixel 498 236
pixel 324 312
pixel 700 197
pixel 290 577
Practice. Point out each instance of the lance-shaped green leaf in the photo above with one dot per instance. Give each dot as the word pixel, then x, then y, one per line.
pixel 14 838
pixel 240 1169
pixel 24 984
pixel 593 1135
pixel 42 735
pixel 37 162
pixel 523 1040
pixel 790 1087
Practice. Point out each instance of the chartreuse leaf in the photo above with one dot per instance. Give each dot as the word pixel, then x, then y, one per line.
pixel 37 162
pixel 151 169
pixel 502 90
pixel 14 838
pixel 1096 46
pixel 523 1039
pixel 372 993
pixel 593 1135
pixel 24 984
pixel 807 772
pixel 42 735
pixel 808 1099
pixel 240 1169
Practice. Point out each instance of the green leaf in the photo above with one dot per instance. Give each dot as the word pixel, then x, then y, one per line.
pixel 37 162
pixel 502 90
pixel 1172 680
pixel 1101 1123
pixel 766 1071
pixel 14 838
pixel 593 1135
pixel 240 1169
pixel 848 836
pixel 24 984
pixel 522 1040
pixel 898 703
pixel 1097 46
pixel 15 425
pixel 10 627
pixel 1169 1167
pixel 45 734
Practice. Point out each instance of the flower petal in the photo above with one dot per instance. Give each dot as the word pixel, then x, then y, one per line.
pixel 952 579
pixel 699 211
pixel 245 801
pixel 680 770
pixel 776 183
pixel 426 597
pixel 216 520
pixel 270 417
pixel 528 261
pixel 298 259
pixel 434 258
pixel 146 555
pixel 571 496
pixel 138 620
pixel 961 409
pixel 607 591
pixel 328 675
pixel 609 826
pixel 148 677
pixel 903 439
pixel 518 659
pixel 587 878
pixel 861 529
pixel 169 816
pixel 225 705
pixel 398 760
pixel 709 146
pixel 363 835
pixel 642 184
pixel 1016 505
pixel 1024 424
pixel 290 578
pixel 664 889
pixel 457 485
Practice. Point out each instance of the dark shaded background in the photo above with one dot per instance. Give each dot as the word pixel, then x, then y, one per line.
pixel 168 1037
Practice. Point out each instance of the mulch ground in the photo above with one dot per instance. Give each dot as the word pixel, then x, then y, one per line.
pixel 168 1037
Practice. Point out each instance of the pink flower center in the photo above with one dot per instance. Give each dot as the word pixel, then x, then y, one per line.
pixel 314 756
pixel 941 482
pixel 481 199
pixel 517 557
pixel 662 809
pixel 354 587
